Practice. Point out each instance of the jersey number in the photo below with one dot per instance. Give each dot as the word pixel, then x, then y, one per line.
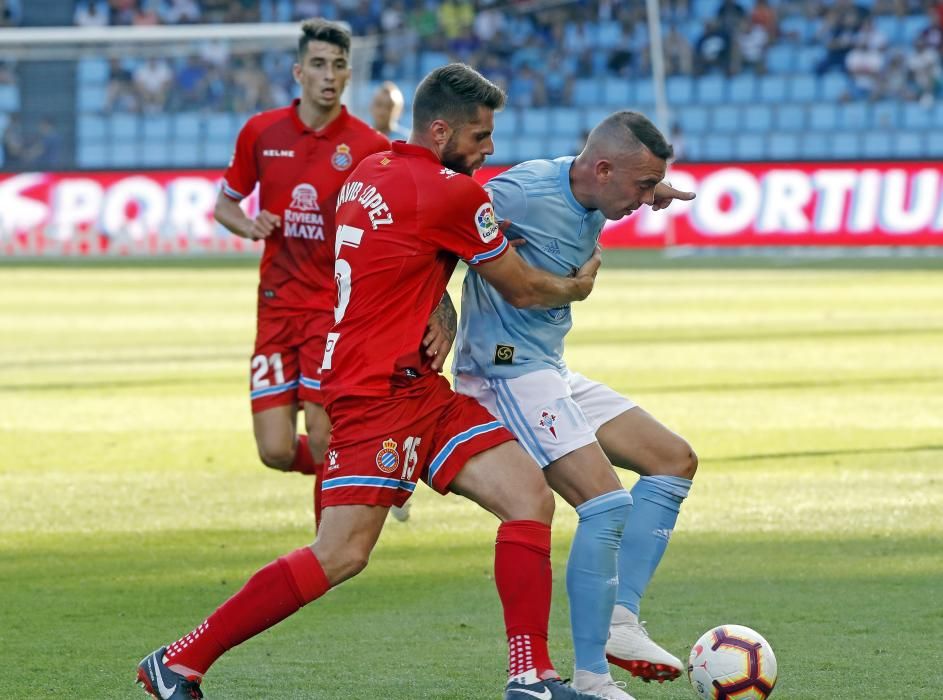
pixel 260 369
pixel 349 236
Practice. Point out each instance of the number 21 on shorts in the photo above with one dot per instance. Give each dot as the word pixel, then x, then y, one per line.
pixel 265 369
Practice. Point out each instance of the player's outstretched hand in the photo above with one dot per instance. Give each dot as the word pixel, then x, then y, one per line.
pixel 264 224
pixel 586 275
pixel 665 194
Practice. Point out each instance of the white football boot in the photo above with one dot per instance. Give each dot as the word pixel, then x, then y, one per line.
pixel 631 648
pixel 601 685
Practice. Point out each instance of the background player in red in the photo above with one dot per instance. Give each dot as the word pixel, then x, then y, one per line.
pixel 300 155
pixel 404 218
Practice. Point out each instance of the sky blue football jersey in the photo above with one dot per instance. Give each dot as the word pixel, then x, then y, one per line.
pixel 494 338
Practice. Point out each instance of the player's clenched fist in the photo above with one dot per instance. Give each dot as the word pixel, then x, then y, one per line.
pixel 586 275
pixel 263 225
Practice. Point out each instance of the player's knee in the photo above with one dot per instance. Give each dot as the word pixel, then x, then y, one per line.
pixel 342 564
pixel 684 462
pixel 534 503
pixel 276 455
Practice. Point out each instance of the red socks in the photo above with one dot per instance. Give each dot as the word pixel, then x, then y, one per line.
pixel 523 577
pixel 303 462
pixel 272 594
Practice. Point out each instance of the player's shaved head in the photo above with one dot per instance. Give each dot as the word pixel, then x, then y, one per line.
pixel 626 133
pixel 318 29
pixel 454 93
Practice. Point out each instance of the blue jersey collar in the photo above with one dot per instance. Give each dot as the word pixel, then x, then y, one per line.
pixel 565 186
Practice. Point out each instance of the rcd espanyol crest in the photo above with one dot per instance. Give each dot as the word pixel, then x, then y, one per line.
pixel 388 457
pixel 304 198
pixel 341 160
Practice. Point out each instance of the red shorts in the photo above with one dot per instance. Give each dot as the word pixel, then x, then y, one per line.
pixel 381 446
pixel 286 363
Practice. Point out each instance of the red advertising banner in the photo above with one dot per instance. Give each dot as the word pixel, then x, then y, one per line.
pixel 780 204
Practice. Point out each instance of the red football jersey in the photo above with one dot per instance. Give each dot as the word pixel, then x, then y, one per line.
pixel 300 171
pixel 403 220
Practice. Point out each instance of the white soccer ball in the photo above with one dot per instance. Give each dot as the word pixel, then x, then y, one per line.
pixel 732 662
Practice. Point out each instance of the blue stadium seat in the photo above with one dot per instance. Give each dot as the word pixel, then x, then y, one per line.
pixel 644 92
pixel 911 26
pixel 155 155
pixel 773 88
pixel 185 152
pixel 935 144
pixel 680 90
pixel 757 118
pixel 693 119
pixel 506 123
pixel 586 92
pixel 742 88
pixel 750 147
pixel 909 145
pixel 803 29
pixel 92 98
pixel 123 153
pixel 124 126
pixel 562 146
pixel 528 148
pixel 92 129
pixel 9 98
pixel 803 88
pixel 608 34
pixel 845 145
pixel 725 118
pixel 693 148
pixel 718 147
pixel 711 89
pixel 430 60
pixel 617 92
pixel 92 155
pixel 789 117
pixel 854 115
pixel 187 126
pixel 876 144
pixel 885 115
pixel 784 146
pixel 283 11
pixel 815 145
pixel 916 116
pixel 216 153
pixel 566 121
pixel 833 86
pixel 594 115
pixel 157 128
pixel 92 71
pixel 535 121
pixel 808 57
pixel 890 27
pixel 780 59
pixel 218 126
pixel 823 117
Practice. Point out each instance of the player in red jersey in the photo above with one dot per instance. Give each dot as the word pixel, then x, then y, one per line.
pixel 404 219
pixel 300 155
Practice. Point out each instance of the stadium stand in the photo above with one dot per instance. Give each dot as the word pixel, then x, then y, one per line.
pixel 747 79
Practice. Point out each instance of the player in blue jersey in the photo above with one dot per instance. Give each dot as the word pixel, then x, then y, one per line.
pixel 511 360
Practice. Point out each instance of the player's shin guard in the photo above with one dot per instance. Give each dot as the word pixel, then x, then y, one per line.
pixel 523 577
pixel 656 503
pixel 592 578
pixel 272 594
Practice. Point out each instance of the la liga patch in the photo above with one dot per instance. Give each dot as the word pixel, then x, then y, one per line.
pixel 486 223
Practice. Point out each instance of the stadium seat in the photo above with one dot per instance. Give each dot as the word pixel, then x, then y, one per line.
pixel 218 126
pixel 608 34
pixel 430 60
pixel 876 144
pixel 815 145
pixel 908 145
pixel 885 115
pixel 854 115
pixel 535 121
pixel 566 121
pixel 92 98
pixel 845 145
pixel 644 92
pixel 757 118
pixel 725 118
pixel 562 146
pixel 693 119
pixel 823 117
pixel 617 92
pixel 911 26
pixel 216 153
pixel 890 27
pixel 586 92
pixel 124 127
pixel 92 71
pixel 9 98
pixel 916 116
pixel 529 148
pixel 184 152
pixel 711 89
pixel 157 128
pixel 680 90
pixel 773 89
pixel 718 147
pixel 789 117
pixel 784 146
pixel 808 57
pixel 152 157
pixel 935 144
pixel 123 153
pixel 594 115
pixel 803 88
pixel 506 123
pixel 742 88
pixel 833 86
pixel 693 148
pixel 91 129
pixel 780 59
pixel 92 155
pixel 187 126
pixel 750 147
pixel 799 27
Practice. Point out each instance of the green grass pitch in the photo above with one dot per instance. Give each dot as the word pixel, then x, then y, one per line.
pixel 132 501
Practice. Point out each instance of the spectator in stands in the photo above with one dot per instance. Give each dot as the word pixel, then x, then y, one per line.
pixel 181 12
pixel 677 143
pixel 153 80
pixel 91 13
pixel 714 49
pixel 730 15
pixel 386 107
pixel 251 92
pixel 15 144
pixel 893 83
pixel 146 15
pixel 121 12
pixel 837 33
pixel 924 64
pixel 764 15
pixel 864 62
pixel 45 152
pixel 527 88
pixel 752 41
pixel 122 94
pixel 190 83
pixel 558 81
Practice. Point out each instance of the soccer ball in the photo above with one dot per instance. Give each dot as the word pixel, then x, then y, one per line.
pixel 732 662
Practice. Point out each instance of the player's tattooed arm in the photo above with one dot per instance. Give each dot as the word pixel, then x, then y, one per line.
pixel 440 332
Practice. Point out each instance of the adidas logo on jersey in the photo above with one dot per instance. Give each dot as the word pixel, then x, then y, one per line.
pixel 552 248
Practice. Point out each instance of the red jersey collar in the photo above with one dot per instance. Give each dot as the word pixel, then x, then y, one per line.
pixel 409 149
pixel 333 127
